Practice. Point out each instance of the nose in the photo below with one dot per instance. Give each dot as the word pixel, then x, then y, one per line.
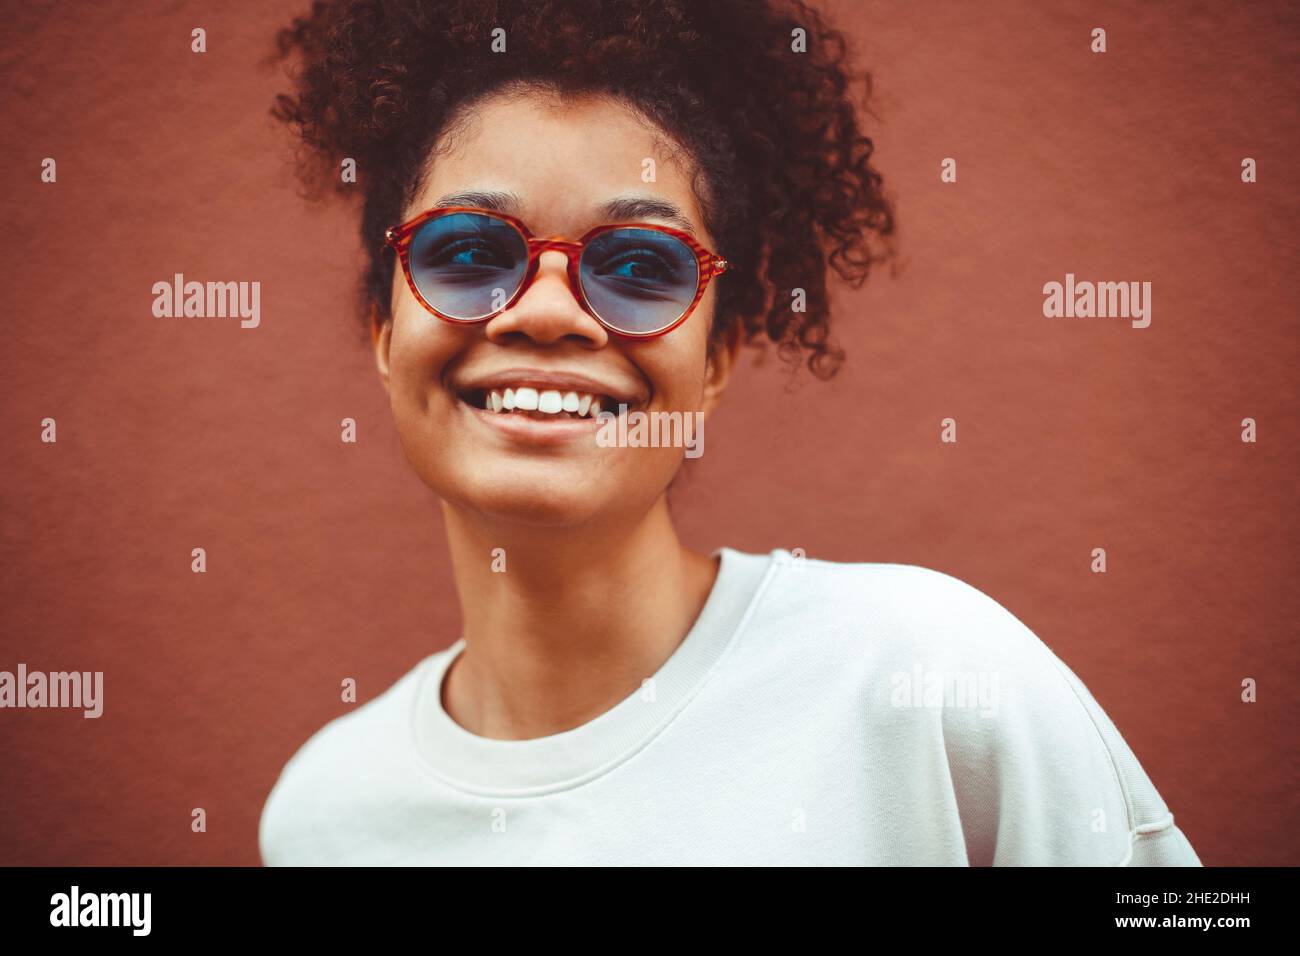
pixel 548 311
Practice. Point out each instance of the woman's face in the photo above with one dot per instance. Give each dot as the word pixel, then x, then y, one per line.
pixel 559 164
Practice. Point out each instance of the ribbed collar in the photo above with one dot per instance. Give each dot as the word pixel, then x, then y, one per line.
pixel 560 761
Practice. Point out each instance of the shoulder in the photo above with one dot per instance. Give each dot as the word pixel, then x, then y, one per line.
pixel 905 627
pixel 1039 771
pixel 900 608
pixel 325 776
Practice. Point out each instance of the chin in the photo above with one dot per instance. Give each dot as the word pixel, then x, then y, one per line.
pixel 511 500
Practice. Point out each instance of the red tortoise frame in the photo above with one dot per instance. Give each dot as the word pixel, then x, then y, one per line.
pixel 708 265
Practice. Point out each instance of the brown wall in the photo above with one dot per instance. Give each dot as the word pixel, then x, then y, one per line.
pixel 327 560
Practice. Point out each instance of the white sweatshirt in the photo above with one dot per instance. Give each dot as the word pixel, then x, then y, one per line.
pixel 817 713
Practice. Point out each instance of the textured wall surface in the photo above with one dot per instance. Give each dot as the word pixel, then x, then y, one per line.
pixel 326 560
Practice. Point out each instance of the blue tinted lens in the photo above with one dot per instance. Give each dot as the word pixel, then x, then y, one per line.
pixel 467 265
pixel 639 280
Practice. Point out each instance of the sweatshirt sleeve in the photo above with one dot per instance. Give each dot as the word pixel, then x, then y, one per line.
pixel 1043 777
pixel 1154 837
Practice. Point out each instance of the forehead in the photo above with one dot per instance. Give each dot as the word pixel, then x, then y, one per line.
pixel 561 163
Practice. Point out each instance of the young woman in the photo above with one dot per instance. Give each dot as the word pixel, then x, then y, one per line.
pixel 581 210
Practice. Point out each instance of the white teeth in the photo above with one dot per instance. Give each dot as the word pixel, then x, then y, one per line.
pixel 549 402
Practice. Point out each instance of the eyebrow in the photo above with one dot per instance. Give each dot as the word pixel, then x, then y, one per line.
pixel 622 209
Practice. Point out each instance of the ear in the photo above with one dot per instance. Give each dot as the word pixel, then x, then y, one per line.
pixel 717 371
pixel 381 338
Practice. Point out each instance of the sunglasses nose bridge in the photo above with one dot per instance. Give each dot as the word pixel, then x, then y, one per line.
pixel 567 246
pixel 536 247
pixel 571 249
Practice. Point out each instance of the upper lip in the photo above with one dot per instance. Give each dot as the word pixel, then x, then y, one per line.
pixel 558 379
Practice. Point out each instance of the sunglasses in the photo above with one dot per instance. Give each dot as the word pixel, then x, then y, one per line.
pixel 466 264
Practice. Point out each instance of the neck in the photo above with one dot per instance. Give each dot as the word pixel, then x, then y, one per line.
pixel 572 625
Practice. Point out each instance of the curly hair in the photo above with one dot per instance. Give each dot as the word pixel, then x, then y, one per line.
pixel 782 171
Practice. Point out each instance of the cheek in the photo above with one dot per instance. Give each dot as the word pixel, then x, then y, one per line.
pixel 416 343
pixel 675 368
pixel 420 350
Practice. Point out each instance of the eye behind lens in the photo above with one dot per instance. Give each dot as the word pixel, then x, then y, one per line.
pixel 467 264
pixel 639 281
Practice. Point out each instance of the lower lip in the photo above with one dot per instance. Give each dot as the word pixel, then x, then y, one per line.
pixel 534 431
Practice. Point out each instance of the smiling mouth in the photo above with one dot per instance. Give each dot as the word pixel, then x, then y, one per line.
pixel 540 404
